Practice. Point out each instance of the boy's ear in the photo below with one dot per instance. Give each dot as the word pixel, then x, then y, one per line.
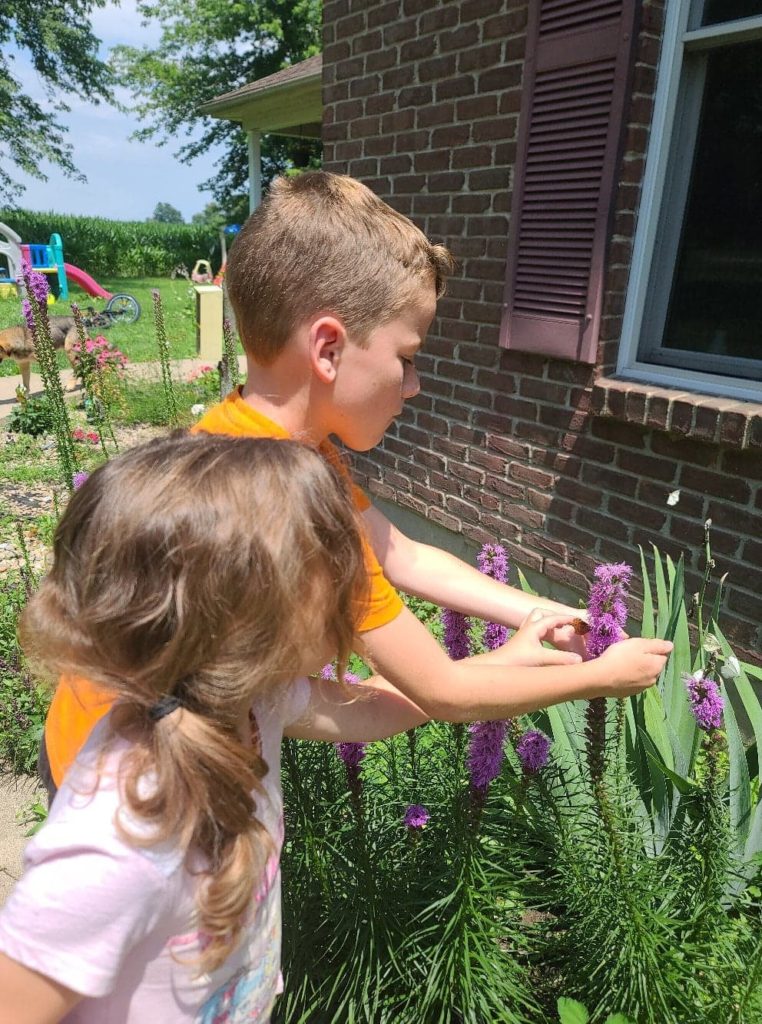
pixel 327 340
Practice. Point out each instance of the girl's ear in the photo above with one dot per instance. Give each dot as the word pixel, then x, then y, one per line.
pixel 327 340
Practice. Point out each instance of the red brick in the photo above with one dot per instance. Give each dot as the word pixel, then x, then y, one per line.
pixel 722 486
pixel 535 477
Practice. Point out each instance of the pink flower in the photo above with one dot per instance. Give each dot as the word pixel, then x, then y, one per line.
pixel 78 434
pixel 93 437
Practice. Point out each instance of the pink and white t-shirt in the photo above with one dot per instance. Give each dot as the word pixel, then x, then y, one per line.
pixel 115 922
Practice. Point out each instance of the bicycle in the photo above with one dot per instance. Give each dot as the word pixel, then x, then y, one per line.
pixel 120 309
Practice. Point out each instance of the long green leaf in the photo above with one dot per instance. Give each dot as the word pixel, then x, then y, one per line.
pixel 740 786
pixel 662 601
pixel 647 622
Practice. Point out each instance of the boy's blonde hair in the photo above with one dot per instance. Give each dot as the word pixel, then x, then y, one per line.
pixel 200 568
pixel 324 243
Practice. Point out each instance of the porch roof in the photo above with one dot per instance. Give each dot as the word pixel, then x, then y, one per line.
pixel 288 102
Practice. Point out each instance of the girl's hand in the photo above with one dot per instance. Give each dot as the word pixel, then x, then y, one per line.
pixel 525 647
pixel 633 665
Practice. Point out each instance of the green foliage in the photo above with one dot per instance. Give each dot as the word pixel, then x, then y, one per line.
pixel 207 48
pixel 32 416
pixel 166 213
pixel 118 248
pixel 572 1012
pixel 59 41
pixel 636 892
pixel 23 703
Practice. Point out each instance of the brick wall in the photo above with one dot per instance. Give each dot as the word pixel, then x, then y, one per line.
pixel 566 469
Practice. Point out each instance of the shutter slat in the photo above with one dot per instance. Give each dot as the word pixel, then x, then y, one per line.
pixel 578 60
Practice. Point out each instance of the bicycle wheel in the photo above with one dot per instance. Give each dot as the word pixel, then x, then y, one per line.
pixel 124 309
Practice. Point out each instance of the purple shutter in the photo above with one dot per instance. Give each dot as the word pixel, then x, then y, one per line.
pixel 576 77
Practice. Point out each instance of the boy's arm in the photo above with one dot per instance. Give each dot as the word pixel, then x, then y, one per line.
pixel 486 687
pixel 372 710
pixel 438 576
pixel 31 998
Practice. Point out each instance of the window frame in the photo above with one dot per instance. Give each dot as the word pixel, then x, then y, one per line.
pixel 666 177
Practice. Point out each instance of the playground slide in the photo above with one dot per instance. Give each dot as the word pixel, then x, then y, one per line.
pixel 85 282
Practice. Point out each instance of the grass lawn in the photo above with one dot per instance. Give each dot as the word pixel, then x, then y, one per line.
pixel 138 340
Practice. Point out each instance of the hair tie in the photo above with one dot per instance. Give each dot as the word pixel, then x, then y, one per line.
pixel 164 706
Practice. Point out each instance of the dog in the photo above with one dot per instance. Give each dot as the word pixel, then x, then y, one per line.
pixel 17 343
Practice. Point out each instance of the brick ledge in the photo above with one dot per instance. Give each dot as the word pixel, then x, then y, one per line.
pixel 711 419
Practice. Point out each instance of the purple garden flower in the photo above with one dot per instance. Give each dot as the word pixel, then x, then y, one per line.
pixel 35 282
pixel 493 561
pixel 707 702
pixel 79 478
pixel 416 817
pixel 456 634
pixel 485 753
pixel 533 750
pixel 606 607
pixel 351 753
pixel 26 309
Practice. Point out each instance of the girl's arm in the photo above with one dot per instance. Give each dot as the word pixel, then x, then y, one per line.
pixel 372 710
pixel 27 997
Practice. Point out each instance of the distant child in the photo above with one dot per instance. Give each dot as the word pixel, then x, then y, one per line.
pixel 197 582
pixel 334 293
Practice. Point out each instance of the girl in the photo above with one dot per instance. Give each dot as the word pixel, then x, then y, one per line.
pixel 198 581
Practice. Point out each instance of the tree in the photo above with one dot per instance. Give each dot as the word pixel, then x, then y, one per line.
pixel 166 213
pixel 57 36
pixel 209 47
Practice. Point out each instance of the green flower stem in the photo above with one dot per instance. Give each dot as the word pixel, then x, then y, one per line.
pixel 51 377
pixel 166 373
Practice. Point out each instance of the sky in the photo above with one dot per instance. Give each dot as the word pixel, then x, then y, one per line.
pixel 125 179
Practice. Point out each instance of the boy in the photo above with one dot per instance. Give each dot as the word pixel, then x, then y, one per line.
pixel 334 293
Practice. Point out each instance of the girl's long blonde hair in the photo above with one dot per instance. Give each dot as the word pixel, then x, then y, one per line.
pixel 204 568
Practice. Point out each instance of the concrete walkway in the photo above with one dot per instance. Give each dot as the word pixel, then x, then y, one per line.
pixel 147 371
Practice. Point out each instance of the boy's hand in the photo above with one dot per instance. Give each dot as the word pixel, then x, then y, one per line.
pixel 633 665
pixel 570 635
pixel 525 647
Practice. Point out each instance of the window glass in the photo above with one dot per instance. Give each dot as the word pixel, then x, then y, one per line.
pixel 716 11
pixel 715 306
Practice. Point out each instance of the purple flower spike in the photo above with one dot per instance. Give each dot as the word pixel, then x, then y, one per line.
pixel 456 634
pixel 533 750
pixel 416 816
pixel 707 703
pixel 36 283
pixel 607 608
pixel 351 753
pixel 26 309
pixel 78 479
pixel 493 561
pixel 485 752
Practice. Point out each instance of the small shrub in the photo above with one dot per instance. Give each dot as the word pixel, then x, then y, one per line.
pixel 32 416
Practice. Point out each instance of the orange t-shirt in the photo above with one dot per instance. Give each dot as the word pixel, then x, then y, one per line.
pixel 77 704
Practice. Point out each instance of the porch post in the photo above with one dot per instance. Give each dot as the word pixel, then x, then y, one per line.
pixel 255 170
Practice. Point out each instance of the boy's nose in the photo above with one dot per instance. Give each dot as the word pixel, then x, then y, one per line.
pixel 411 382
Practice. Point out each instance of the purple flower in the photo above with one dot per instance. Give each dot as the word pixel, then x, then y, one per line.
pixel 707 703
pixel 606 607
pixel 493 561
pixel 351 753
pixel 416 816
pixel 532 750
pixel 495 635
pixel 26 309
pixel 79 478
pixel 485 752
pixel 35 282
pixel 456 634
pixel 328 672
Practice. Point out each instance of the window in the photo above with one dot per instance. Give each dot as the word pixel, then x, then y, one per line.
pixel 694 312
